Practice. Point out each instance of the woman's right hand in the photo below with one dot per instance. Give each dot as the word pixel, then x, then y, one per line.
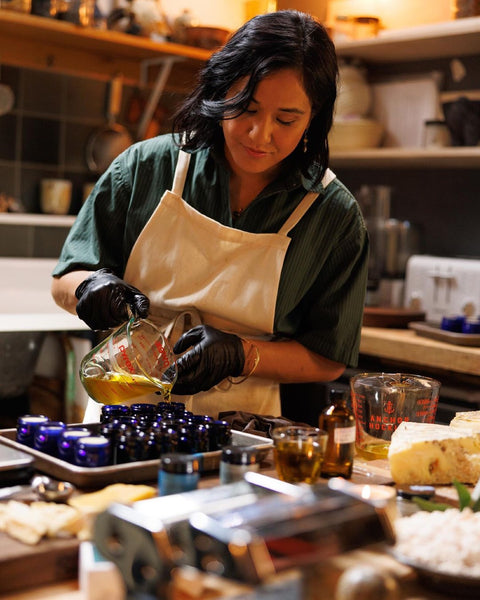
pixel 104 300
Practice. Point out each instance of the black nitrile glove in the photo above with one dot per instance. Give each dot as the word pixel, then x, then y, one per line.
pixel 104 298
pixel 213 356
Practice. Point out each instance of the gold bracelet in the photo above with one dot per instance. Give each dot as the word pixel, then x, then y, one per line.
pixel 235 380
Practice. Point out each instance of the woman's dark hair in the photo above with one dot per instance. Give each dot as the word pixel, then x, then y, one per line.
pixel 265 44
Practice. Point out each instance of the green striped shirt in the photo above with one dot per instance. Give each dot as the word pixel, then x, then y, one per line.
pixel 322 286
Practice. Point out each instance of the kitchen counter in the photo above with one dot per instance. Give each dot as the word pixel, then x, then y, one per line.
pixel 404 345
pixel 410 590
pixel 324 575
pixel 26 303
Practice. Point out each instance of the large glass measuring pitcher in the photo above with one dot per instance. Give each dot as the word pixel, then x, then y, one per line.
pixel 133 361
pixel 381 401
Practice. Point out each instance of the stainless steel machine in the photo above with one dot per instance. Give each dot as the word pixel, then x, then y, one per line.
pixel 247 531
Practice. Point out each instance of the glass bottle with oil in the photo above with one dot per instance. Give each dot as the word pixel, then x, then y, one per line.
pixel 339 422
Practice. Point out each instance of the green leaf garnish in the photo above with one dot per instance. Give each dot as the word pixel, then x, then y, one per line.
pixel 429 505
pixel 464 498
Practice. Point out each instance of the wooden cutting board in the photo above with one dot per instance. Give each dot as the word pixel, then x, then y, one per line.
pixel 378 472
pixel 23 566
pixel 56 560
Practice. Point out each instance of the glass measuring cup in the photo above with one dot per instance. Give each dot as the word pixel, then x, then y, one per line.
pixel 381 401
pixel 133 361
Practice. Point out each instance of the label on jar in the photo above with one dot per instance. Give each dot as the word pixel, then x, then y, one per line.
pixel 344 435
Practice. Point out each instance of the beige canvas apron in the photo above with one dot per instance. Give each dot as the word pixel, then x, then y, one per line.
pixel 192 267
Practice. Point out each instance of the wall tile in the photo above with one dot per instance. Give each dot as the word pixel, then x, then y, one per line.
pixel 40 140
pixel 7 180
pixel 48 241
pixel 77 179
pixel 26 242
pixel 16 240
pixel 43 92
pixel 85 98
pixel 76 140
pixel 8 125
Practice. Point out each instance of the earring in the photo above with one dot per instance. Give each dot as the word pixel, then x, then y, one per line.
pixel 305 142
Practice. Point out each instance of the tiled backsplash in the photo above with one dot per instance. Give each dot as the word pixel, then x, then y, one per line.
pixel 45 135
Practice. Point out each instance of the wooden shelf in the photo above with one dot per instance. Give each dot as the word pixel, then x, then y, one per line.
pixel 456 38
pixel 34 42
pixel 36 220
pixel 414 158
pixel 460 37
pixel 38 42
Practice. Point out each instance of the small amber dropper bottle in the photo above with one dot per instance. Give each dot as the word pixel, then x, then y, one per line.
pixel 339 422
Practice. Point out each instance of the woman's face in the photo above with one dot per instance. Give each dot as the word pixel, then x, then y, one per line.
pixel 259 139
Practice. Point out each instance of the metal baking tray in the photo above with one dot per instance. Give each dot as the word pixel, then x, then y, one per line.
pixel 16 466
pixel 134 472
pixel 433 331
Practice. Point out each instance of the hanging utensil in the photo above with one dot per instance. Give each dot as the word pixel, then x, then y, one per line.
pixel 112 139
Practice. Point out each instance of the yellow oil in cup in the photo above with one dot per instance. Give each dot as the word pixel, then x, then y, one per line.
pixel 298 453
pixel 135 360
pixel 381 401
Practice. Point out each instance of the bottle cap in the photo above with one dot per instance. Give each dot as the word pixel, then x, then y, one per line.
pixel 143 408
pixel 115 410
pixel 66 442
pixel 180 464
pixel 27 426
pixel 92 451
pixel 93 441
pixel 338 394
pixel 452 323
pixel 46 437
pixel 239 455
pixel 471 326
pixel 410 491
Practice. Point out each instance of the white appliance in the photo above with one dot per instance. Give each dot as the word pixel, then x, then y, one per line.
pixel 442 286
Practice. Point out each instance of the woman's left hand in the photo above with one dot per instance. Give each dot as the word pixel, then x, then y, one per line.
pixel 213 356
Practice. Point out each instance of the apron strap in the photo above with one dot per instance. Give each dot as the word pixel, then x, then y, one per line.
pixel 298 213
pixel 305 204
pixel 180 173
pixel 328 178
pixel 181 176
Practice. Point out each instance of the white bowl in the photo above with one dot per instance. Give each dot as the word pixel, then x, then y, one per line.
pixel 354 134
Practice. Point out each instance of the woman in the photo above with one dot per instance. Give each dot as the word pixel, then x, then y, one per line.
pixel 258 247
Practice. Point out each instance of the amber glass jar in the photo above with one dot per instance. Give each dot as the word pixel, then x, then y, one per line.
pixel 339 423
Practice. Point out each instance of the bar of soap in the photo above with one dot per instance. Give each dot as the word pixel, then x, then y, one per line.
pixel 117 492
pixel 23 524
pixel 429 454
pixel 466 420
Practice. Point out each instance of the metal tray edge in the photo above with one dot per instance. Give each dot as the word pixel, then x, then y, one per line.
pixel 434 332
pixel 143 471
